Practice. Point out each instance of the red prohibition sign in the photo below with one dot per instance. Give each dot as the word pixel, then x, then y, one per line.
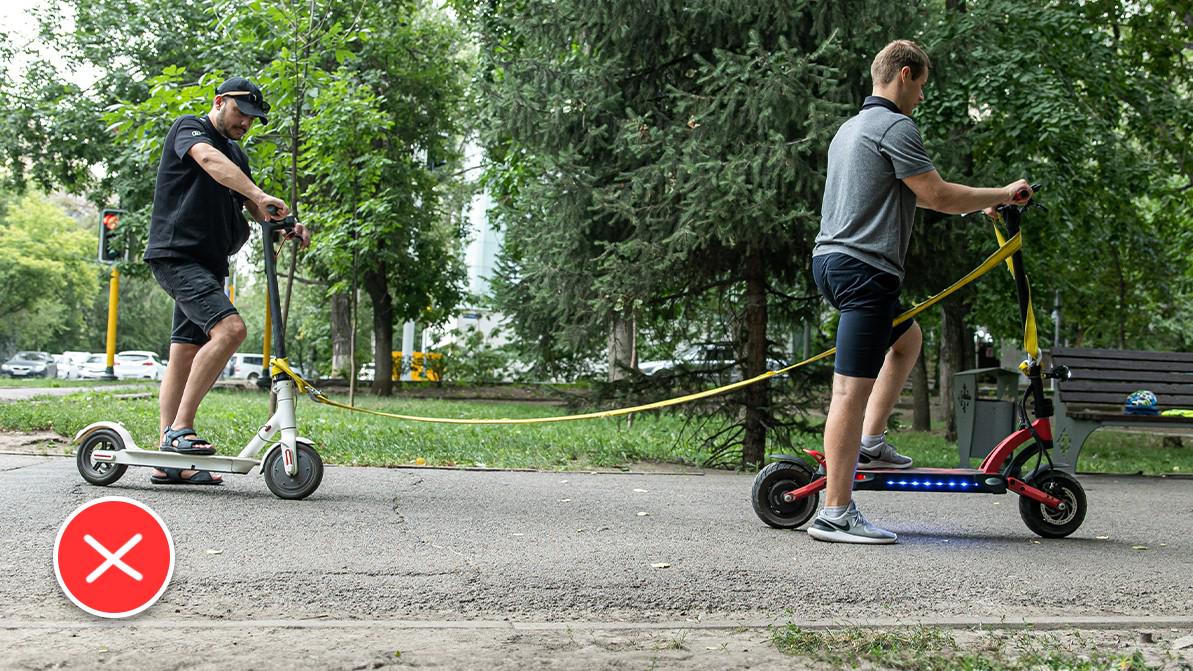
pixel 113 557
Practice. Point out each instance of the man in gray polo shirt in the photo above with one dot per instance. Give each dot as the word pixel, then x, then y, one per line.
pixel 878 173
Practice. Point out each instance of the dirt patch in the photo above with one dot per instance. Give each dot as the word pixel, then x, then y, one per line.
pixel 375 645
pixel 40 443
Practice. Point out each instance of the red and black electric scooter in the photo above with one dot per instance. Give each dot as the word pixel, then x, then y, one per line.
pixel 1051 501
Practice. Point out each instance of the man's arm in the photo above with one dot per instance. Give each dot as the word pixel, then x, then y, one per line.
pixel 933 193
pixel 224 171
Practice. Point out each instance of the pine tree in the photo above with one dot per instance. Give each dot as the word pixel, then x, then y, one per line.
pixel 655 158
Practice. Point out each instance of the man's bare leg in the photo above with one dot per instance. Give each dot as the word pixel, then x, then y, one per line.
pixel 226 337
pixel 843 436
pixel 896 368
pixel 178 369
pixel 840 521
pixel 199 369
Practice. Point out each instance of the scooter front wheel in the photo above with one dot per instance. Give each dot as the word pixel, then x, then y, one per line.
pixel 772 483
pixel 1045 521
pixel 305 481
pixel 95 472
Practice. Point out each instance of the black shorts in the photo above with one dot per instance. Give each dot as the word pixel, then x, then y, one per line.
pixel 868 299
pixel 199 299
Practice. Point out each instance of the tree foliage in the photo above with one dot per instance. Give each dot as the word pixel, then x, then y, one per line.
pixel 658 159
pixel 1103 119
pixel 46 272
pixel 361 92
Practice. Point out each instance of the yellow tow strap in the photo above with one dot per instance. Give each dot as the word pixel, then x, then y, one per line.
pixel 1031 343
pixel 1005 250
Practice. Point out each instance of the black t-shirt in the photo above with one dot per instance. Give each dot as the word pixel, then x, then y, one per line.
pixel 195 217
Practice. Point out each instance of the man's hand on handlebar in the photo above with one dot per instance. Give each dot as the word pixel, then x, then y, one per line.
pixel 274 208
pixel 303 234
pixel 1018 193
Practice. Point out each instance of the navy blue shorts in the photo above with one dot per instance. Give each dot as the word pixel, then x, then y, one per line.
pixel 868 299
pixel 199 299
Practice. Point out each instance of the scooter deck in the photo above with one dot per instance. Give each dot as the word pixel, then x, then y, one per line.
pixel 921 471
pixel 947 480
pixel 134 456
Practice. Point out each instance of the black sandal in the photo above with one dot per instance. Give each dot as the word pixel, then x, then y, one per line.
pixel 174 477
pixel 175 442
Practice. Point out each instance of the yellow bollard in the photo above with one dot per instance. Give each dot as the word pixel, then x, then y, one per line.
pixel 113 305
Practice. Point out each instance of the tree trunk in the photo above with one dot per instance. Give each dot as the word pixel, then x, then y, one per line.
pixel 969 353
pixel 952 352
pixel 341 336
pixel 383 330
pixel 922 413
pixel 757 396
pixel 622 346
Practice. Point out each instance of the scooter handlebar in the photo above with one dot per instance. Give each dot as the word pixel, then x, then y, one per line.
pixel 285 225
pixel 1026 193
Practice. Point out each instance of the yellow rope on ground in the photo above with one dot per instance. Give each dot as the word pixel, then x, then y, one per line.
pixel 1004 252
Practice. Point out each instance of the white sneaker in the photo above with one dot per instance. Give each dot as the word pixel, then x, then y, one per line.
pixel 882 455
pixel 851 527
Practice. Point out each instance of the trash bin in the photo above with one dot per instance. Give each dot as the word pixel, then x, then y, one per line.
pixel 983 421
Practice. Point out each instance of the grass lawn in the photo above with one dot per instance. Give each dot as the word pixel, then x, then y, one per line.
pixel 936 649
pixel 229 417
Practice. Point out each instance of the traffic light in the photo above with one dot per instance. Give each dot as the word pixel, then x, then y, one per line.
pixel 109 228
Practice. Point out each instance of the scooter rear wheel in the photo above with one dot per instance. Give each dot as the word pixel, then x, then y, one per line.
pixel 100 473
pixel 1042 519
pixel 304 483
pixel 775 480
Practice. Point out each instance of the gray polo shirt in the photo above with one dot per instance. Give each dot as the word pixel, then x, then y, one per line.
pixel 868 211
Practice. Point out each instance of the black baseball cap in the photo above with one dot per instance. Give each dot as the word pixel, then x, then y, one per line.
pixel 247 96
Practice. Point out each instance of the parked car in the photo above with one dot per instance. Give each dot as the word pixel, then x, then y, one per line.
pixel 132 364
pixel 245 367
pixel 94 368
pixel 69 364
pixel 716 361
pixel 30 364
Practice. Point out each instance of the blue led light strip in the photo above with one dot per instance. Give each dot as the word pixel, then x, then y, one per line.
pixel 927 484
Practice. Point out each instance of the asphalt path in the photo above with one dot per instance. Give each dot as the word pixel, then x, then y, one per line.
pixel 443 551
pixel 26 393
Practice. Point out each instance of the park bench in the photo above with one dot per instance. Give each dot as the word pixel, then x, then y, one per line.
pixel 1099 383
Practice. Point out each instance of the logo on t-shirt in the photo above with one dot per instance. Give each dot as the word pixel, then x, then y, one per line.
pixel 196 132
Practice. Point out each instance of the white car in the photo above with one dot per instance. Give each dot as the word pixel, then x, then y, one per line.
pixel 368 371
pixel 717 361
pixel 94 368
pixel 138 364
pixel 69 364
pixel 245 367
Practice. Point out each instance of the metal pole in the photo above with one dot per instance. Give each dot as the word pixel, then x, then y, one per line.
pixel 113 306
pixel 265 350
pixel 1056 320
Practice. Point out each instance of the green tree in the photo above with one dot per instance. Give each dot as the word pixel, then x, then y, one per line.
pixel 1101 118
pixel 655 159
pixel 401 59
pixel 47 271
pixel 381 152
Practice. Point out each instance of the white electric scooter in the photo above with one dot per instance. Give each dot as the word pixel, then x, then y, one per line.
pixel 291 466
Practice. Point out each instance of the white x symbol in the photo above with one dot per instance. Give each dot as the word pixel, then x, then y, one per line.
pixel 113 558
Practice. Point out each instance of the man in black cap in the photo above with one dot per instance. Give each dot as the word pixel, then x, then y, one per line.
pixel 203 182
